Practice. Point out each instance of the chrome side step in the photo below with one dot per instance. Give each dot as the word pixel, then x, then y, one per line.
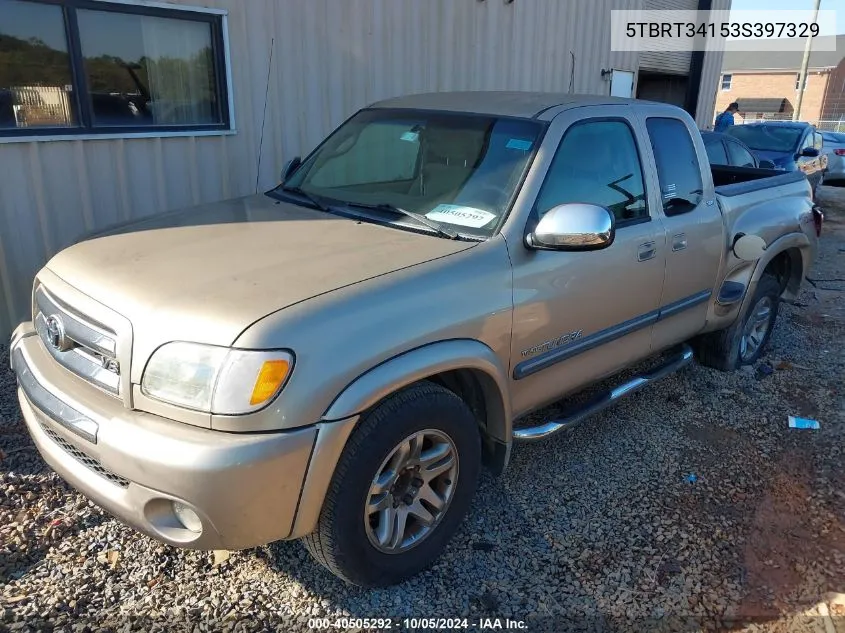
pixel 531 434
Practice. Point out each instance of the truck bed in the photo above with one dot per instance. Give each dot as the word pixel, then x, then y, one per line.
pixel 735 181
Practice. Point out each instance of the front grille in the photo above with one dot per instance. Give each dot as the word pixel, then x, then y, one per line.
pixel 85 460
pixel 84 347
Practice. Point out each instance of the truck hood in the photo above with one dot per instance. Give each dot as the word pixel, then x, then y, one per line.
pixel 206 273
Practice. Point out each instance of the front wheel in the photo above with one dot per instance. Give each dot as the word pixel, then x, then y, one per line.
pixel 401 488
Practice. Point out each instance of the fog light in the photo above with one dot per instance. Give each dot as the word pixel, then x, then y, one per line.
pixel 187 517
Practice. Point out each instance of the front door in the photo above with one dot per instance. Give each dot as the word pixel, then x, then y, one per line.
pixel 810 165
pixel 579 316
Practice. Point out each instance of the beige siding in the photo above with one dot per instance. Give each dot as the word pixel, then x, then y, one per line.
pixel 330 57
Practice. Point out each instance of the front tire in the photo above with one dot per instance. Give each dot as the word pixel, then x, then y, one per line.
pixel 745 341
pixel 401 488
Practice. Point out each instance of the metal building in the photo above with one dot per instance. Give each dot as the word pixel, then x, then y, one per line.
pixel 240 86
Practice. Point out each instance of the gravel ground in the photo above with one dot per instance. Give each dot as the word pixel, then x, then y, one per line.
pixel 690 505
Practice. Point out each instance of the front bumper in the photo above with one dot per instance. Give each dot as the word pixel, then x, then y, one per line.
pixel 245 488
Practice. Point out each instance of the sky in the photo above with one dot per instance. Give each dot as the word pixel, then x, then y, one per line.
pixel 794 5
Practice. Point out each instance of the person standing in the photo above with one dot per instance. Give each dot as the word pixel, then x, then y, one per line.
pixel 726 119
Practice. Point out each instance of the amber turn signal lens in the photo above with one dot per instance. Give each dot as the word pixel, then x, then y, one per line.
pixel 270 378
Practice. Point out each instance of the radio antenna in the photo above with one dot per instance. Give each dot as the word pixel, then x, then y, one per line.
pixel 264 117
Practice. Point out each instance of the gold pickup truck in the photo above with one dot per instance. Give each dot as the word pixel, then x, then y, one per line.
pixel 334 360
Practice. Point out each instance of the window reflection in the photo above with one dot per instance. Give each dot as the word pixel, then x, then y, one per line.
pixel 146 70
pixel 597 162
pixel 35 76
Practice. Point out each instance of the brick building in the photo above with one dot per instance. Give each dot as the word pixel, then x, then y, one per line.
pixel 765 84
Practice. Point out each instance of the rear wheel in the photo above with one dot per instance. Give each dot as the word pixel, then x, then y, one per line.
pixel 401 488
pixel 745 341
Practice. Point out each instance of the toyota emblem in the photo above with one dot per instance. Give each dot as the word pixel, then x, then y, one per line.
pixel 56 336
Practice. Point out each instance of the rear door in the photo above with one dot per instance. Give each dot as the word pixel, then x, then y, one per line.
pixel 694 241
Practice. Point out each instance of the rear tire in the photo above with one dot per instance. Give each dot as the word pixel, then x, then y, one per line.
pixel 380 523
pixel 745 341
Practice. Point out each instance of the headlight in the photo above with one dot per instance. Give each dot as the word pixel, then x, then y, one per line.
pixel 215 379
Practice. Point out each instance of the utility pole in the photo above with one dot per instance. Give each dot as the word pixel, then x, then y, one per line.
pixel 802 77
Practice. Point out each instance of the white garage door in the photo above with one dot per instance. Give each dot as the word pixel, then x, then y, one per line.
pixel 668 61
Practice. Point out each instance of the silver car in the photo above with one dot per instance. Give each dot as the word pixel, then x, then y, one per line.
pixel 834 147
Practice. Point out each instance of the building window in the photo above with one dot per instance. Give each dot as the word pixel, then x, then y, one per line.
pixel 798 81
pixel 89 67
pixel 726 82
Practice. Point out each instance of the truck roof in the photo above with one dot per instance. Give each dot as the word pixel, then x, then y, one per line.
pixel 498 103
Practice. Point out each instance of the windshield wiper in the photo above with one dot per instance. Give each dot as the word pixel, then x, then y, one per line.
pixel 322 206
pixel 434 226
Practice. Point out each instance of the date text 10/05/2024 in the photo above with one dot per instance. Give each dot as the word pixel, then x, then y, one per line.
pixel 683 30
pixel 416 624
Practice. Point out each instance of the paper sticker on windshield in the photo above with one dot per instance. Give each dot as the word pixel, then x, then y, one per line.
pixel 518 143
pixel 460 215
pixel 411 137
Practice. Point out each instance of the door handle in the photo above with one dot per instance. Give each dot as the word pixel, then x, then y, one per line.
pixel 646 251
pixel 679 242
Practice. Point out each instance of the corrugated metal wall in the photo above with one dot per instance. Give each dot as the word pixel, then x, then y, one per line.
pixel 710 78
pixel 330 58
pixel 667 61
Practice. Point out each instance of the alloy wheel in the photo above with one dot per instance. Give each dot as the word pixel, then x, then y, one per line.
pixel 756 328
pixel 411 491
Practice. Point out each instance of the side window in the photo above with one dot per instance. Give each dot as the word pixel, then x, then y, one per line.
pixel 677 165
pixel 818 143
pixel 807 142
pixel 716 153
pixel 597 162
pixel 740 156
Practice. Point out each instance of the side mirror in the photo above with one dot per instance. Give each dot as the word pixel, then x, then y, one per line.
pixel 766 164
pixel 749 248
pixel 574 227
pixel 291 166
pixel 810 152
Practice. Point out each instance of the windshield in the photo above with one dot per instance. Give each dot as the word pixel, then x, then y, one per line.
pixel 768 138
pixel 461 171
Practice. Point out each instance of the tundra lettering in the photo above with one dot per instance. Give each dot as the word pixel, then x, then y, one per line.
pixel 544 347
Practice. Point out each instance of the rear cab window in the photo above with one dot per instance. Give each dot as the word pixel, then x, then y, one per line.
pixel 597 162
pixel 678 169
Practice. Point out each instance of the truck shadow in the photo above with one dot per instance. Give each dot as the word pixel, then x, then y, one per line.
pixel 482 573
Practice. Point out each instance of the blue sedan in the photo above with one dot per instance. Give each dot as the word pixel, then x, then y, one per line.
pixel 791 146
